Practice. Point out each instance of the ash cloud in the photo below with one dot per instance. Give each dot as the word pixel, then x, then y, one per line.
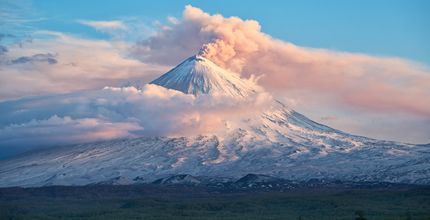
pixel 350 79
pixel 367 91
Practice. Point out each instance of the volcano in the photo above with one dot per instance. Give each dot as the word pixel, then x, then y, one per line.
pixel 198 75
pixel 278 142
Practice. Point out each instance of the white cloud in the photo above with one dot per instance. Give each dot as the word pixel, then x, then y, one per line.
pixel 172 20
pixel 115 112
pixel 105 25
pixel 128 29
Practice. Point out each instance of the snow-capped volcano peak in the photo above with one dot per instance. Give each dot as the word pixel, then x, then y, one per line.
pixel 198 75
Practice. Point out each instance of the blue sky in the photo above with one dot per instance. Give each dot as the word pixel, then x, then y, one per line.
pixel 397 28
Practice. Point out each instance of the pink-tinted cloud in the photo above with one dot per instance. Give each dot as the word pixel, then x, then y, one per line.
pixel 104 25
pixel 57 63
pixel 368 82
pixel 120 112
pixel 57 130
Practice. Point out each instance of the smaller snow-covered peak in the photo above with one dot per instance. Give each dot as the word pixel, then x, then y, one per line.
pixel 257 178
pixel 198 75
pixel 181 179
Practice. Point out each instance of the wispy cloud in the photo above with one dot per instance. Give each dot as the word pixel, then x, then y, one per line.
pixel 128 29
pixel 40 57
pixel 80 64
pixel 104 25
pixel 18 18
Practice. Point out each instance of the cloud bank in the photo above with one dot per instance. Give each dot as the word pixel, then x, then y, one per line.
pixel 119 112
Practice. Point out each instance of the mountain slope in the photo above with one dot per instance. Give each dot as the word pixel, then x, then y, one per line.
pixel 278 142
pixel 279 146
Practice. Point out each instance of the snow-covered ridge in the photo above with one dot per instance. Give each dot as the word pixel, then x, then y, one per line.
pixel 280 143
pixel 276 141
pixel 198 75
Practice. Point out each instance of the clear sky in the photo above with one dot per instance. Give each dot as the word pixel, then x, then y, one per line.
pixel 398 28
